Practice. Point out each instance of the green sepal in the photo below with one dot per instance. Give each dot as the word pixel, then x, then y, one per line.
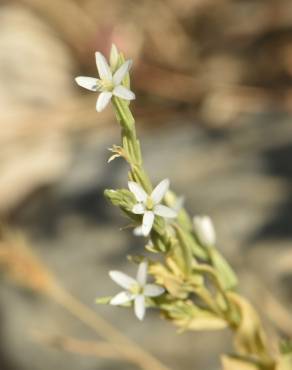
pixel 106 300
pixel 126 81
pixel 159 238
pixel 103 300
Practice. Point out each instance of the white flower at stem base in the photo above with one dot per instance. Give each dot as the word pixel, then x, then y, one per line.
pixel 205 231
pixel 149 205
pixel 109 84
pixel 136 289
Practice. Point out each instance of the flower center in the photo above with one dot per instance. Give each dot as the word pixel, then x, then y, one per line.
pixel 149 204
pixel 106 85
pixel 136 289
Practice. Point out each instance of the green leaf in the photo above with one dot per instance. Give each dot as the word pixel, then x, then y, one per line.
pixel 198 251
pixel 205 320
pixel 122 198
pixel 184 248
pixel 165 277
pixel 188 316
pixel 225 272
pixel 250 338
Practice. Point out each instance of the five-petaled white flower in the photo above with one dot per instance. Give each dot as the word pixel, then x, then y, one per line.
pixel 136 289
pixel 149 205
pixel 109 84
pixel 177 206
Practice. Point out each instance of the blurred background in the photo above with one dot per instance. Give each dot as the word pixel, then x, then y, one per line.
pixel 214 106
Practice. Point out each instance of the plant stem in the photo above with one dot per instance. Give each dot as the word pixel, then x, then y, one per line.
pixel 131 144
pixel 132 148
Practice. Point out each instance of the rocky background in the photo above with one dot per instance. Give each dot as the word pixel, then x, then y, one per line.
pixel 214 115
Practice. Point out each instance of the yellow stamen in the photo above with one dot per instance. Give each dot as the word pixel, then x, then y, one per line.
pixel 107 85
pixel 136 289
pixel 149 204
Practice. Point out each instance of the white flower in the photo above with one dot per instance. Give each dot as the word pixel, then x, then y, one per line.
pixel 176 208
pixel 204 230
pixel 149 205
pixel 109 84
pixel 136 289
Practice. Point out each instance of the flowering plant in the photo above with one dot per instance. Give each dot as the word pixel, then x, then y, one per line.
pixel 194 286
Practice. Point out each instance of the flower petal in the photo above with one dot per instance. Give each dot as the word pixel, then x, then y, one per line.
pixel 142 273
pixel 102 67
pixel 121 298
pixel 103 100
pixel 88 83
pixel 138 209
pixel 138 191
pixel 139 306
pixel 153 290
pixel 122 279
pixel 159 192
pixel 121 72
pixel 147 224
pixel 164 211
pixel 124 93
pixel 138 231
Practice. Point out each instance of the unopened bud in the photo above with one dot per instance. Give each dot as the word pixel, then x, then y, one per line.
pixel 204 229
pixel 114 58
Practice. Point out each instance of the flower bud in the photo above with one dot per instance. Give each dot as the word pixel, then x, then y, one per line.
pixel 114 58
pixel 204 230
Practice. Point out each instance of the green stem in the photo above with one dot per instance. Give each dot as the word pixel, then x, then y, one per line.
pixel 130 143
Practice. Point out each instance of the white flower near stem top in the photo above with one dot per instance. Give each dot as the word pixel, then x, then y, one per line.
pixel 109 84
pixel 136 289
pixel 149 205
pixel 205 231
